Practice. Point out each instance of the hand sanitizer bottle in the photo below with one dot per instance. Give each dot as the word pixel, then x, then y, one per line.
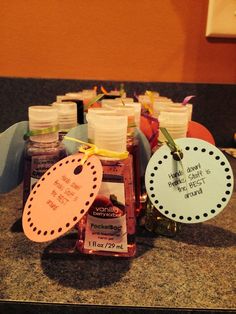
pixel 109 226
pixel 43 148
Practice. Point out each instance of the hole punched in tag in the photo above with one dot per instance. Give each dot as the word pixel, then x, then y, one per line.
pixel 78 169
pixel 177 155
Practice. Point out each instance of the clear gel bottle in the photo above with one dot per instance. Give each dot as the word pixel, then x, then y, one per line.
pixel 42 150
pixel 109 226
pixel 67 117
pixel 133 148
pixel 133 114
pixel 175 119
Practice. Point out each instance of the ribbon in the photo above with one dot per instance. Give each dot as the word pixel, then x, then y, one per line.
pixel 135 95
pixel 176 151
pixel 151 97
pixel 52 129
pixel 186 99
pixel 151 119
pixel 104 90
pixel 90 149
pixel 93 100
pixel 122 90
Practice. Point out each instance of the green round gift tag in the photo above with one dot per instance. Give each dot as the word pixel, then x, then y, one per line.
pixel 194 189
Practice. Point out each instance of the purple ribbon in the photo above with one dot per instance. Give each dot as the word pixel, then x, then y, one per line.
pixel 186 99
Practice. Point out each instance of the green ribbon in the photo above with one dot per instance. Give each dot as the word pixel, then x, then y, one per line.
pixel 93 100
pixel 49 130
pixel 122 89
pixel 176 151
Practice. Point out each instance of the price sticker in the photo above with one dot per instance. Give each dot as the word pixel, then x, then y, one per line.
pixel 193 189
pixel 61 197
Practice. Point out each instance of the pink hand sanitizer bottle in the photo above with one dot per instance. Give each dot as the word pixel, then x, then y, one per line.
pixel 110 224
pixel 43 148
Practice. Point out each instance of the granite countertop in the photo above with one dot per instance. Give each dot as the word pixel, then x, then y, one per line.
pixel 194 270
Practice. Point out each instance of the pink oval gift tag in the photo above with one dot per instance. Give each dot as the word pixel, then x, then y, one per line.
pixel 61 197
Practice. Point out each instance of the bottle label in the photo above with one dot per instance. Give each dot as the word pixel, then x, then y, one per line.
pixel 39 165
pixel 106 227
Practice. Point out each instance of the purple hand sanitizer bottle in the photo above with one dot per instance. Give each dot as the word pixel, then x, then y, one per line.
pixel 43 148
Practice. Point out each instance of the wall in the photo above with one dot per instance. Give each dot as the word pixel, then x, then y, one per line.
pixel 136 40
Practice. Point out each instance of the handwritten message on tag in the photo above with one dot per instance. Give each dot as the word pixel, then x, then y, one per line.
pixel 192 190
pixel 61 197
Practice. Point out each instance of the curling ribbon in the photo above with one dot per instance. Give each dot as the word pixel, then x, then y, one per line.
pixel 176 151
pixel 186 99
pixel 136 96
pixel 93 100
pixel 90 149
pixel 52 129
pixel 122 90
pixel 151 97
pixel 104 90
pixel 151 119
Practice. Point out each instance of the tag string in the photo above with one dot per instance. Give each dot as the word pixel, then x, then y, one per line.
pixel 151 97
pixel 49 130
pixel 90 149
pixel 176 151
pixel 171 144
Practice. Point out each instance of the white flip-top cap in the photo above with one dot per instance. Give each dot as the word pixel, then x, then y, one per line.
pixel 171 106
pixel 88 93
pixel 67 112
pixel 73 96
pixel 111 132
pixel 110 102
pixel 144 99
pixel 189 108
pixel 98 111
pixel 175 122
pixel 125 100
pixel 43 117
pixel 92 117
pixel 137 111
pixel 173 118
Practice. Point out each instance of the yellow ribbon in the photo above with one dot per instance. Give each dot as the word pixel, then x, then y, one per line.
pixel 151 97
pixel 90 149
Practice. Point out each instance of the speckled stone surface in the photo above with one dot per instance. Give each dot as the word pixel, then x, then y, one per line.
pixel 194 270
